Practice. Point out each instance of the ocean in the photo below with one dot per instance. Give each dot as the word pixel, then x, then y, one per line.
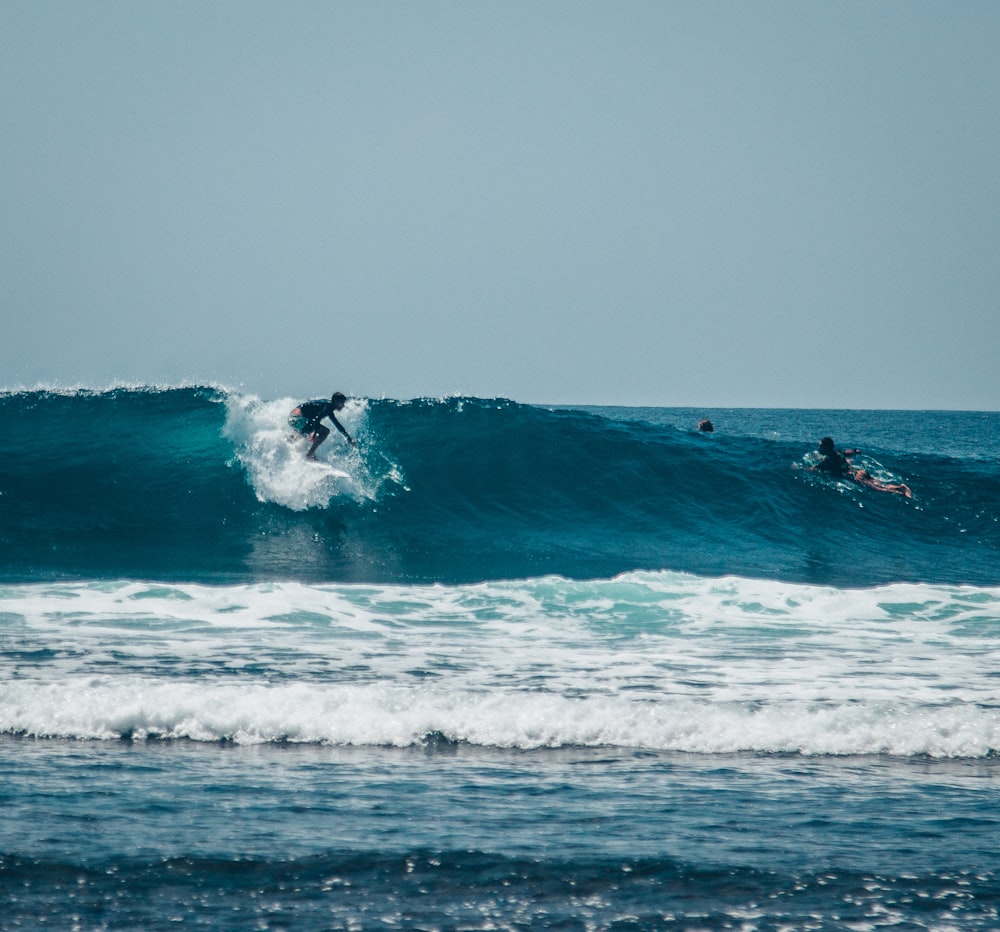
pixel 502 666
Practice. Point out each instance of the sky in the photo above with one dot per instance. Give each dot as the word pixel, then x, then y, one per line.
pixel 726 204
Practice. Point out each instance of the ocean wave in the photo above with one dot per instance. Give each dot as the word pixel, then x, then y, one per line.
pixel 200 483
pixel 396 716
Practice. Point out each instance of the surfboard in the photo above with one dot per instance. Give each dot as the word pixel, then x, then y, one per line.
pixel 326 469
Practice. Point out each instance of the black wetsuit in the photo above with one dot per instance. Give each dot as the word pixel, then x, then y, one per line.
pixel 835 464
pixel 314 412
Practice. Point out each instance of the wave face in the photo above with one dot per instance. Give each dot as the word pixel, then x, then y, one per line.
pixel 202 485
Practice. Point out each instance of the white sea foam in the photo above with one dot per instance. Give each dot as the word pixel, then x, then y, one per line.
pixel 396 715
pixel 657 660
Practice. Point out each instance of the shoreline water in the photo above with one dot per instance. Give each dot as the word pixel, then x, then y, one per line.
pixel 462 837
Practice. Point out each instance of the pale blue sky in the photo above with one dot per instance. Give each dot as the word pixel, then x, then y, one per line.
pixel 705 203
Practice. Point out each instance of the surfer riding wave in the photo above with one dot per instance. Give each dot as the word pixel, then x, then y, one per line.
pixel 305 420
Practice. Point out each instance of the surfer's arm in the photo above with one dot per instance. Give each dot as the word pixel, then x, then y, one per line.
pixel 342 429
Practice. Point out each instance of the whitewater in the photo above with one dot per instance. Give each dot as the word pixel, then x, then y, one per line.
pixel 503 666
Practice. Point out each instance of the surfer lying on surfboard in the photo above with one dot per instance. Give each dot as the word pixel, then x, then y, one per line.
pixel 305 420
pixel 835 462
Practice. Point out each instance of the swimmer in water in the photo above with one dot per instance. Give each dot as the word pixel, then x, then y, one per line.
pixel 836 463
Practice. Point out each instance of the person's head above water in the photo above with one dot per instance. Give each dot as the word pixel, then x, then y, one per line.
pixel 826 446
pixel 338 400
pixel 705 426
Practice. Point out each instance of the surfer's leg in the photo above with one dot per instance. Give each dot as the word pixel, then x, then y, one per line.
pixel 865 478
pixel 317 437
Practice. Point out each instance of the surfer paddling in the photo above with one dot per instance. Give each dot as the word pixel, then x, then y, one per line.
pixel 305 420
pixel 835 463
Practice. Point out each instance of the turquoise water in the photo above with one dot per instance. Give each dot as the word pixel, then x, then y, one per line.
pixel 504 666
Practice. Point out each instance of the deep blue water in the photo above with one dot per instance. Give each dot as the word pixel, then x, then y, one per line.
pixel 502 667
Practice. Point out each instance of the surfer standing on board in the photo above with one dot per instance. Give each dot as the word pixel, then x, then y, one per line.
pixel 305 420
pixel 835 462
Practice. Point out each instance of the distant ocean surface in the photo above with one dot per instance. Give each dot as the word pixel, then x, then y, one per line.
pixel 503 666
